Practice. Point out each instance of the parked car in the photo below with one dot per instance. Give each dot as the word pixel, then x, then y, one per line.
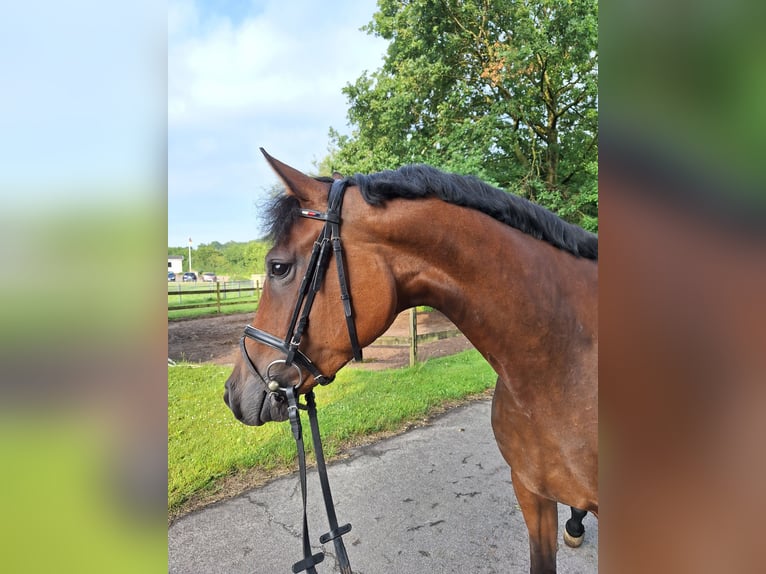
pixel 208 276
pixel 171 276
pixel 190 276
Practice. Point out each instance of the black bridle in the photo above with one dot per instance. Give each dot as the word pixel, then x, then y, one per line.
pixel 328 239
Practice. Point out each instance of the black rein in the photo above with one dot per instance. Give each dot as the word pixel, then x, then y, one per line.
pixel 328 241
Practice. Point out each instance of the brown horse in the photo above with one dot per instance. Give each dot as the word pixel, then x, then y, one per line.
pixel 517 280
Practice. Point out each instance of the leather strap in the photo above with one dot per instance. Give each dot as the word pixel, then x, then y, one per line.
pixel 276 343
pixel 329 237
pixel 303 290
pixel 335 534
pixel 295 335
pixel 346 298
pixel 309 560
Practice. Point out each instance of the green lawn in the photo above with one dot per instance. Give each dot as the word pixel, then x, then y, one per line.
pixel 206 444
pixel 242 299
pixel 249 305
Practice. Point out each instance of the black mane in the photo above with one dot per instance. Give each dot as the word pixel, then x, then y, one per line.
pixel 414 181
pixel 417 181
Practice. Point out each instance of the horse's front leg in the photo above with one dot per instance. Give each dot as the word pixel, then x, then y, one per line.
pixel 541 516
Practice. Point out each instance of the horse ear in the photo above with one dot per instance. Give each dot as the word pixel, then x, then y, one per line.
pixel 310 192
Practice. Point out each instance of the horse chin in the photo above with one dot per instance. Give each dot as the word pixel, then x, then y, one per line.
pixel 256 406
pixel 274 409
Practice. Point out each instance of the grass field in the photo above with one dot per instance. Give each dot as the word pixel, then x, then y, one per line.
pixel 241 298
pixel 206 444
pixel 248 305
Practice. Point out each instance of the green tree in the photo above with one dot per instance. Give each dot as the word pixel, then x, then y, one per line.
pixel 175 251
pixel 208 258
pixel 235 259
pixel 502 89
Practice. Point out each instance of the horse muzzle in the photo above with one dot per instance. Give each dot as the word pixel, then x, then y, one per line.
pixel 251 401
pixel 256 395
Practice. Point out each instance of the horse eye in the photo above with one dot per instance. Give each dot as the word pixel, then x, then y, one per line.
pixel 279 270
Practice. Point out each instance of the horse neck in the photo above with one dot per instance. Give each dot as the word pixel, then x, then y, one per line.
pixel 506 291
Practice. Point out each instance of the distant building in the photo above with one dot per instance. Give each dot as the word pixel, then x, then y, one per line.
pixel 176 263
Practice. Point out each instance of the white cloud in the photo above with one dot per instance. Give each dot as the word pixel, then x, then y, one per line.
pixel 268 63
pixel 270 77
pixel 230 70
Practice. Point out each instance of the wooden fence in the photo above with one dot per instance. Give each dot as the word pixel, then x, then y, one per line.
pixel 414 338
pixel 253 287
pixel 249 288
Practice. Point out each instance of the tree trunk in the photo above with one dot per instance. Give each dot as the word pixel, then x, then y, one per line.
pixel 552 154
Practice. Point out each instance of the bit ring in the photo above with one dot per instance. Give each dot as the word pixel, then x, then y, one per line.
pixel 273 384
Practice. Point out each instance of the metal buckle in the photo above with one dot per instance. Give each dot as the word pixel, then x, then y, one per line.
pixel 273 384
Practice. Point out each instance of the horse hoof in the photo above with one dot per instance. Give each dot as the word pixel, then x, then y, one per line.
pixel 573 541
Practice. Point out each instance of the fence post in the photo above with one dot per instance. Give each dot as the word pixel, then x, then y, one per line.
pixel 413 336
pixel 218 295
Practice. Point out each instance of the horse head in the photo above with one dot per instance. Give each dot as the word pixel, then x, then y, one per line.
pixel 308 324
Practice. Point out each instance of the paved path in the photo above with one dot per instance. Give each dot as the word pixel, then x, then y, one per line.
pixel 435 499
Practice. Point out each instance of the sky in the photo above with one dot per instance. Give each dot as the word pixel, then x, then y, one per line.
pixel 82 101
pixel 246 75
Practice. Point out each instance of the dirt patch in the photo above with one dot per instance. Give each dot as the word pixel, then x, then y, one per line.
pixel 216 340
pixel 207 339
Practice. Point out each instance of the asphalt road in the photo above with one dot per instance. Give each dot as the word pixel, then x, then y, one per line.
pixel 435 499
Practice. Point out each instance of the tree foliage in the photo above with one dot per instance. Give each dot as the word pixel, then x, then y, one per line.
pixel 502 89
pixel 238 260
